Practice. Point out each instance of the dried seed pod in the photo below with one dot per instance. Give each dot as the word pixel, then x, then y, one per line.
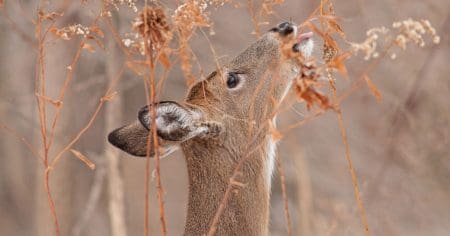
pixel 152 25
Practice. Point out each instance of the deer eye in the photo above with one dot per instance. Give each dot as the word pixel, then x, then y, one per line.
pixel 232 80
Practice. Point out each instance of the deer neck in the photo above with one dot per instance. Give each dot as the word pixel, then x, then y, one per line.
pixel 210 167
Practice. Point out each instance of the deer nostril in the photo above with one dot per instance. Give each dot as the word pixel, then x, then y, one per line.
pixel 284 28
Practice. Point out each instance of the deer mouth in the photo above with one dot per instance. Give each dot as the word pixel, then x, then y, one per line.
pixel 305 44
pixel 303 41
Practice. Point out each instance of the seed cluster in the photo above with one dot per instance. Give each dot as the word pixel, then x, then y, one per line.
pixel 402 33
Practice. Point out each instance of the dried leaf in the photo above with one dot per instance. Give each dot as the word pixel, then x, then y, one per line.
pixel 83 158
pixel 305 87
pixel 373 88
pixel 60 33
pixel 164 60
pixel 49 16
pixel 338 63
pixel 89 47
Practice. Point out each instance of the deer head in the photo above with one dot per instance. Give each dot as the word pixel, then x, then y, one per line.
pixel 214 126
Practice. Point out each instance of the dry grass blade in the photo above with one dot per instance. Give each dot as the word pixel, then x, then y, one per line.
pixel 154 42
pixel 373 88
pixel 23 140
pixel 83 158
pixel 349 160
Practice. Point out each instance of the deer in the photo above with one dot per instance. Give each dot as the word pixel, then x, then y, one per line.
pixel 225 117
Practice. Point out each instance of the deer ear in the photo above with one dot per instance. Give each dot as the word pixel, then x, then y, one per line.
pixel 177 123
pixel 174 125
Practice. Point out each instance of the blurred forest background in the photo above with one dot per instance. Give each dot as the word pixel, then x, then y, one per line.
pixel 400 147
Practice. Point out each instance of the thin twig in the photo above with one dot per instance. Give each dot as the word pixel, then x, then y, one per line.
pixel 23 140
pixel 285 197
pixel 348 157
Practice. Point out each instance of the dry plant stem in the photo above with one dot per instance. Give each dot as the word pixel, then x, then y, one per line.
pixel 304 121
pixel 348 157
pixel 51 201
pixel 90 122
pixel 360 81
pixel 40 89
pixel 117 37
pixel 63 89
pixel 147 158
pixel 285 198
pixel 68 79
pixel 396 117
pixel 77 137
pixel 150 81
pixel 157 160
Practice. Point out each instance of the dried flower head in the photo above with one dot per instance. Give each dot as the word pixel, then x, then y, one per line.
pixel 190 15
pixel 407 31
pixel 151 24
pixel 412 31
pixel 187 17
pixel 369 46
pixel 328 51
pixel 70 31
pixel 116 3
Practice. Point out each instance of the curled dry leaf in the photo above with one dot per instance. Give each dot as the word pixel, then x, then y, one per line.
pixel 338 63
pixel 305 85
pixel 83 158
